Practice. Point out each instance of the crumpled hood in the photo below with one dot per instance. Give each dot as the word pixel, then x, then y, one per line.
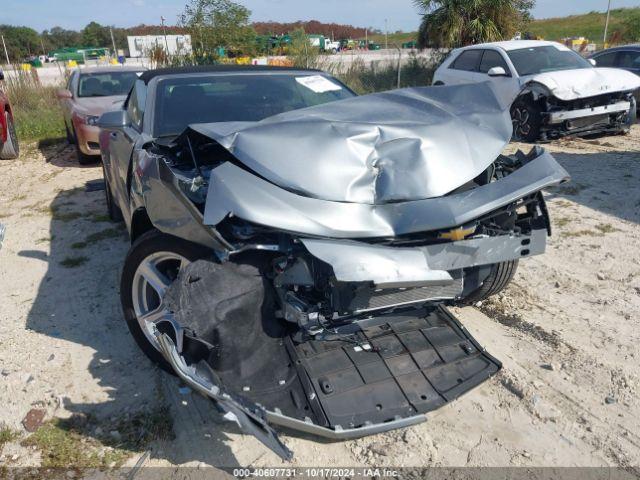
pixel 401 145
pixel 586 82
pixel 98 105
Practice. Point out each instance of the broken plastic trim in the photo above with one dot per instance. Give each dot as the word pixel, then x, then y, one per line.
pixel 259 426
pixel 251 422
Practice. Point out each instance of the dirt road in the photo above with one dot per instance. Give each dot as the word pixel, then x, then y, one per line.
pixel 567 331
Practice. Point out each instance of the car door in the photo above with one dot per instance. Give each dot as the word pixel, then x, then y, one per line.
pixel 507 86
pixel 628 60
pixel 606 59
pixel 122 142
pixel 464 69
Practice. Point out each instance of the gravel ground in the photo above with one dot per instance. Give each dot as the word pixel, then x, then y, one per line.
pixel 567 331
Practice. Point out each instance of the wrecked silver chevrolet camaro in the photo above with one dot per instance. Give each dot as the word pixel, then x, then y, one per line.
pixel 294 264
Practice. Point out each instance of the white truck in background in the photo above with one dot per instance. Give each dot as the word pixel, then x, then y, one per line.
pixel 324 43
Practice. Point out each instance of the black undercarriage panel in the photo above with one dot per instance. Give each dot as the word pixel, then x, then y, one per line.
pixel 400 365
pixel 370 371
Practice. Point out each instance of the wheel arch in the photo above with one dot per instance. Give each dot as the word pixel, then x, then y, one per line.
pixel 534 92
pixel 140 224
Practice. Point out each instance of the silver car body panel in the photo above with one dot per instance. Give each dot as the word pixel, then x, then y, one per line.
pixel 391 267
pixel 235 191
pixel 402 145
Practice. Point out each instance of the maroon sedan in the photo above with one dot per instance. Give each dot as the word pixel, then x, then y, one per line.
pixel 8 138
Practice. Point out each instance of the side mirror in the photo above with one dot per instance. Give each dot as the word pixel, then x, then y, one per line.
pixel 593 62
pixel 115 119
pixel 497 72
pixel 64 93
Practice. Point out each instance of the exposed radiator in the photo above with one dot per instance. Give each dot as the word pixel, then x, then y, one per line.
pixel 373 299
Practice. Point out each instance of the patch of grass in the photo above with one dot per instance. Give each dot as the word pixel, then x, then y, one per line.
pixel 65 216
pixel 63 446
pixel 103 235
pixel 98 237
pixel 582 233
pixel 73 262
pixel 607 228
pixel 72 443
pixel 100 218
pixel 572 189
pixel 45 240
pixel 562 221
pixel 36 110
pixel 7 435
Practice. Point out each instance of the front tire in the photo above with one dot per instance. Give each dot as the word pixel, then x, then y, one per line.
pixel 70 139
pixel 526 117
pixel 500 276
pixel 151 266
pixel 10 149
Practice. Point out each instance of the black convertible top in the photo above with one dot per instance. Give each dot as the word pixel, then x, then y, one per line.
pixel 148 75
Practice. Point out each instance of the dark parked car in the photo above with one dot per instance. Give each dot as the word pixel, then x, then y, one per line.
pixel 9 147
pixel 626 57
pixel 294 245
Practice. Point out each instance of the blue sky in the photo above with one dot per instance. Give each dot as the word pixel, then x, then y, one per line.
pixel 401 14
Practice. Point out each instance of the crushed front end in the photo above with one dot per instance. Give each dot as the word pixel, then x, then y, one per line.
pixel 325 315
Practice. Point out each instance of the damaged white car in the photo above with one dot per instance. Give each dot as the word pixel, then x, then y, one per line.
pixel 294 246
pixel 557 92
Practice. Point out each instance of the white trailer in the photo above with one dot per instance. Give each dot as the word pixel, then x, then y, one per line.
pixel 142 45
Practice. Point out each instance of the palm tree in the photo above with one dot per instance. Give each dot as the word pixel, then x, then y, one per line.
pixel 454 23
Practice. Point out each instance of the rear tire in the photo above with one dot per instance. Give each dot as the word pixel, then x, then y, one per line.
pixel 148 246
pixel 10 149
pixel 500 276
pixel 526 117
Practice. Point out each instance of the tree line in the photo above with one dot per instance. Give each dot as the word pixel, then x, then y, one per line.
pixel 224 23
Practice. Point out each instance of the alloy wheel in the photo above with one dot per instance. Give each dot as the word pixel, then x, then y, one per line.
pixel 521 122
pixel 153 277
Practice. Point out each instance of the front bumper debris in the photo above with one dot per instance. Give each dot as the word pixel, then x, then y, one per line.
pixel 404 366
pixel 562 116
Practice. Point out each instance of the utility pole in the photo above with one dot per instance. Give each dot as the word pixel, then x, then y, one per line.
pixel 386 34
pixel 164 31
pixel 115 50
pixel 606 25
pixel 6 54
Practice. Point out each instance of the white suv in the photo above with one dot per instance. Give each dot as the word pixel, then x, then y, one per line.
pixel 555 92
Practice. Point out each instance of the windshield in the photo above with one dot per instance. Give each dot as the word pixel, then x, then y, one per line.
pixel 244 97
pixel 106 84
pixel 550 58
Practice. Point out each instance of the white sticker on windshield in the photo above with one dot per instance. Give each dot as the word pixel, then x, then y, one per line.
pixel 562 48
pixel 318 84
